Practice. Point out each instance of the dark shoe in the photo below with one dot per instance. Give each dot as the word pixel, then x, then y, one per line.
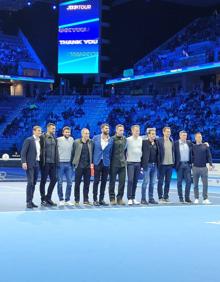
pixel 144 202
pixel 113 202
pixel 87 203
pixel 29 206
pixel 188 201
pixel 153 202
pixel 76 203
pixel 103 203
pixel 44 204
pixel 96 204
pixel 181 201
pixel 167 201
pixel 34 206
pixel 121 202
pixel 51 203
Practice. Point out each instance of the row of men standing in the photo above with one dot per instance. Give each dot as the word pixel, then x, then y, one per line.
pixel 155 157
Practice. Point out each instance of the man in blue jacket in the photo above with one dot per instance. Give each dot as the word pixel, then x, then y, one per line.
pixel 30 157
pixel 101 158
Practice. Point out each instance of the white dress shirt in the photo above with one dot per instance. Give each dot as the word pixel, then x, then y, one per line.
pixel 37 143
pixel 104 143
pixel 184 151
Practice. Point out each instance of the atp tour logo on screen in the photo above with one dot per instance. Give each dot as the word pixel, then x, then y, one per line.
pixel 78 36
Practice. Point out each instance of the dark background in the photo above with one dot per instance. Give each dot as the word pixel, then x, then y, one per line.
pixel 137 27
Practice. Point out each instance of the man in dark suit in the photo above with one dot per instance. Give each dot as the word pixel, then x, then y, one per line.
pixel 149 164
pixel 48 162
pixel 183 164
pixel 30 157
pixel 167 160
pixel 101 157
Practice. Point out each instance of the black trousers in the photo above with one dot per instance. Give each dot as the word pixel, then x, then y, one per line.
pixel 86 174
pixel 51 171
pixel 184 173
pixel 164 174
pixel 100 174
pixel 133 169
pixel 121 172
pixel 32 175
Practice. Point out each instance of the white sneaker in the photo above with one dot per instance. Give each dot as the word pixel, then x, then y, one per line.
pixel 196 201
pixel 136 202
pixel 130 202
pixel 61 203
pixel 206 202
pixel 69 203
pixel 161 201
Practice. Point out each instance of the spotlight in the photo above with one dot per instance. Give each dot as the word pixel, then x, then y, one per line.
pixel 29 3
pixel 54 7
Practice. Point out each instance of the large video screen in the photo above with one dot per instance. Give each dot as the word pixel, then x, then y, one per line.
pixel 78 37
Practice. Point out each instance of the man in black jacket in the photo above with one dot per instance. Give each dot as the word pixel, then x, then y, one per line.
pixel 118 166
pixel 167 160
pixel 48 162
pixel 183 164
pixel 149 164
pixel 30 157
pixel 82 161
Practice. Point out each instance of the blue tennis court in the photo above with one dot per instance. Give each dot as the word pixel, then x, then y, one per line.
pixel 175 243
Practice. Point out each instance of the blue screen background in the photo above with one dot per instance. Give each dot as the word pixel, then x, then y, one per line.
pixel 79 24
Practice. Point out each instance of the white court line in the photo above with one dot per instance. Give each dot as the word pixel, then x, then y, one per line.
pixel 213 222
pixel 102 209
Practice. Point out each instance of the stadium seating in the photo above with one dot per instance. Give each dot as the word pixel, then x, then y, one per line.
pixel 193 115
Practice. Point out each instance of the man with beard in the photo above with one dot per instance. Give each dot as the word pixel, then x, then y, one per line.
pixel 118 166
pixel 101 158
pixel 48 162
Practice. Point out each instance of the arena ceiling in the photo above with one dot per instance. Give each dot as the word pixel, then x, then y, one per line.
pixel 14 5
pixel 201 3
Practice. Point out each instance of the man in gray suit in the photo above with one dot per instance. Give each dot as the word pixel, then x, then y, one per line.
pixel 30 157
pixel 82 161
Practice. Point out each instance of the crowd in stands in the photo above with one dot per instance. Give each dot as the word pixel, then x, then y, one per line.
pixel 194 111
pixel 176 52
pixel 30 116
pixel 10 56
